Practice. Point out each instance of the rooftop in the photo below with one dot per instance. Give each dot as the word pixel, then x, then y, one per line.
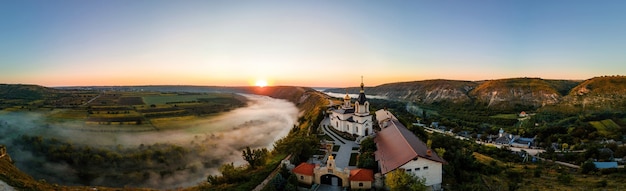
pixel 383 114
pixel 397 146
pixel 360 174
pixel 305 169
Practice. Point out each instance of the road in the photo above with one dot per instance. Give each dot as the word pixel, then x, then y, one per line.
pixel 92 100
pixel 342 160
pixel 530 151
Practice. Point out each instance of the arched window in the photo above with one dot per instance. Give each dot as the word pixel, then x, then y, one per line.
pixel 301 177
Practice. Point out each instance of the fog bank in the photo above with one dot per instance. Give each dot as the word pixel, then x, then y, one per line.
pixel 213 142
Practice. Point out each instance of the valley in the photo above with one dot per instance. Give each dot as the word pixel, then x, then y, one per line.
pixel 111 135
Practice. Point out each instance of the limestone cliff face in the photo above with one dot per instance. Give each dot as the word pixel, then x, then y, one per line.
pixel 428 91
pixel 608 92
pixel 504 93
pixel 498 94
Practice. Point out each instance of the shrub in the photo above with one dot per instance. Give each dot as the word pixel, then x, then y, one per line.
pixel 564 178
pixel 588 167
pixel 537 172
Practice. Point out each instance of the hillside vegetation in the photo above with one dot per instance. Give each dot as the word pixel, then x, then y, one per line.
pixel 600 93
pixel 504 93
pixel 512 95
pixel 310 102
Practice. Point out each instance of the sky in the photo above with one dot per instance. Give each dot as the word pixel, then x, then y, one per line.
pixel 307 43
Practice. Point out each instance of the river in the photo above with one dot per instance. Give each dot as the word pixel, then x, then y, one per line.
pixel 258 125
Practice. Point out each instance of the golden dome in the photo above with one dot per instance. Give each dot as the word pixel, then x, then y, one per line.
pixel 347 97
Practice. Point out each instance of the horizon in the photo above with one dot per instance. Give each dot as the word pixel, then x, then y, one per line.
pixel 306 43
pixel 314 87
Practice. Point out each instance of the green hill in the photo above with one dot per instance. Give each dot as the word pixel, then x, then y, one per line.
pixel 607 93
pixel 24 92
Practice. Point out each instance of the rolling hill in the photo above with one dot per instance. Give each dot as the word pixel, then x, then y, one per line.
pixel 607 92
pixel 599 93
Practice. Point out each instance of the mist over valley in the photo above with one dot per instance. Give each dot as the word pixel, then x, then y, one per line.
pixel 65 154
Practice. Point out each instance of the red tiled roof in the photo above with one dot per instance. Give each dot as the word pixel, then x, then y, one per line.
pixel 360 174
pixel 304 168
pixel 397 146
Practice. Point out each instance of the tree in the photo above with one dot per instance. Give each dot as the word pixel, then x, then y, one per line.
pixel 368 145
pixel 565 178
pixel 298 144
pixel 440 151
pixel 255 157
pixel 400 180
pixel 366 160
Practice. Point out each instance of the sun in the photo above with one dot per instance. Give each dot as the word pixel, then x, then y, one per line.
pixel 261 83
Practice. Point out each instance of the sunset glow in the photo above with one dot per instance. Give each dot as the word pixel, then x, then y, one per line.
pixel 306 43
pixel 261 83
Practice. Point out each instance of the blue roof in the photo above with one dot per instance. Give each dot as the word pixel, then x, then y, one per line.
pixel 603 165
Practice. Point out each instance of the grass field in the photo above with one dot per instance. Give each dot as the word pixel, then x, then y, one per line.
pixel 69 114
pixel 486 159
pixel 171 122
pixel 172 98
pixel 605 127
pixel 505 116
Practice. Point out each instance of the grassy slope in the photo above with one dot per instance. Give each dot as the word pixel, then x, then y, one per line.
pixel 597 94
pixel 21 181
pixel 548 178
pixel 605 127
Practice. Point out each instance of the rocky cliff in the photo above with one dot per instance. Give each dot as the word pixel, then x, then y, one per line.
pixel 509 93
pixel 599 93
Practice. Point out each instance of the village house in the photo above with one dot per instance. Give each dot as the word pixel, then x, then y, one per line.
pixel 361 178
pixel 304 172
pixel 523 114
pixel 504 138
pixel 399 148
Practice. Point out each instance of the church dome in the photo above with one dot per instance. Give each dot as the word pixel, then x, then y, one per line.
pixel 347 97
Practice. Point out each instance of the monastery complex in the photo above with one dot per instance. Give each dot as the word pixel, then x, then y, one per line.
pixel 397 149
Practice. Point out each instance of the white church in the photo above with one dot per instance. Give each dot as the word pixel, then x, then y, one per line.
pixel 354 119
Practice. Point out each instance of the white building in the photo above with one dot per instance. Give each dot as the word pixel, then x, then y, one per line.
pixel 399 148
pixel 354 119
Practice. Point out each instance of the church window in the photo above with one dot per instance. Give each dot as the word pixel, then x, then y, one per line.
pixel 357 129
pixel 360 184
pixel 408 170
pixel 417 169
pixel 301 177
pixel 425 167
